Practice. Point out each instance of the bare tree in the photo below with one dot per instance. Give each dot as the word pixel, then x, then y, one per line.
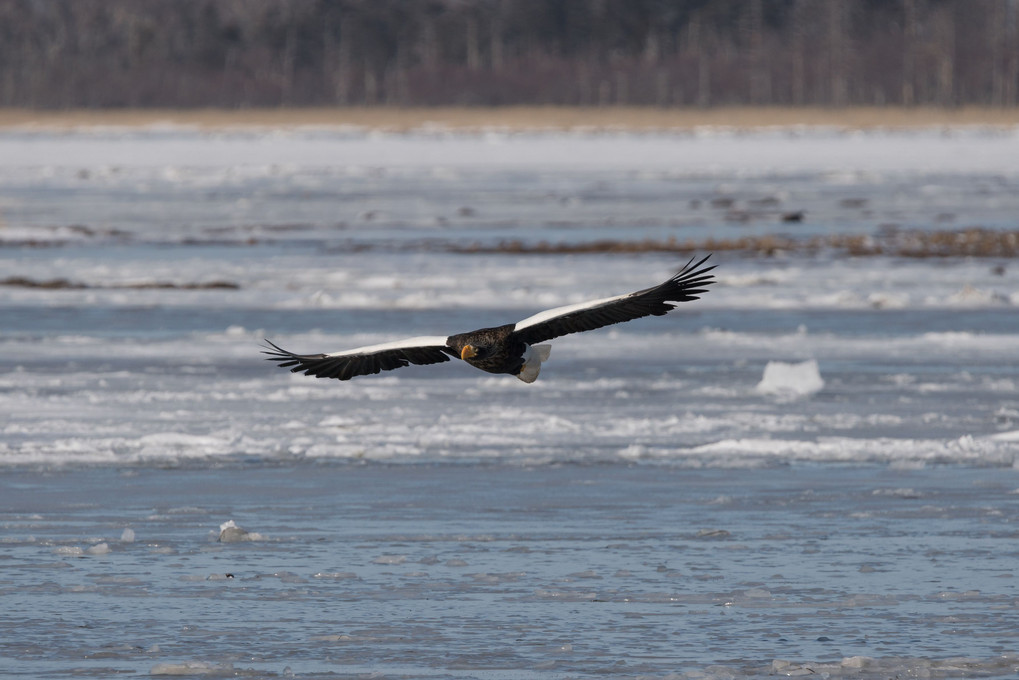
pixel 910 32
pixel 93 53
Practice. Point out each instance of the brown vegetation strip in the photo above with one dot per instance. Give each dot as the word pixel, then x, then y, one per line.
pixel 890 241
pixel 635 118
pixel 974 242
pixel 64 284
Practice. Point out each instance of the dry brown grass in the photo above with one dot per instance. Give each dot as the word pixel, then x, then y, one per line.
pixel 519 118
pixel 973 242
pixel 969 242
pixel 65 284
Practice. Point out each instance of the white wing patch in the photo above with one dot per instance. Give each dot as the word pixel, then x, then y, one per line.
pixel 420 341
pixel 548 314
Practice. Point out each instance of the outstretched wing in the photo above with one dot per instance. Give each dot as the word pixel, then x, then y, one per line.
pixel 687 284
pixel 363 360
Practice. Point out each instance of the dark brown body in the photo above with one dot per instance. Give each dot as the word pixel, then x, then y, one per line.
pixel 497 350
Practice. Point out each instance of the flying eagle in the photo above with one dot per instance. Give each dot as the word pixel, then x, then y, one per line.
pixel 512 348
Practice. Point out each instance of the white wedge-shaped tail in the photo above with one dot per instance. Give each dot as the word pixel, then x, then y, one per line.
pixel 533 358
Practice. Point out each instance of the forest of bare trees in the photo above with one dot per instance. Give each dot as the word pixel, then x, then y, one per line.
pixel 242 53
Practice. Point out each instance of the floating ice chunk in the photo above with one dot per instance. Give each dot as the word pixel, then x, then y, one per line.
pixel 336 575
pixel 99 549
pixel 229 532
pixel 757 593
pixel 898 493
pixel 119 581
pixel 865 666
pixel 331 638
pixel 485 578
pixel 789 669
pixel 288 577
pixel 566 595
pixel 390 559
pixel 192 668
pixel 127 536
pixel 858 662
pixel 791 380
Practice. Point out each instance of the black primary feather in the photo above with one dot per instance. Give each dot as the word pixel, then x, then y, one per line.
pixel 689 283
pixel 347 366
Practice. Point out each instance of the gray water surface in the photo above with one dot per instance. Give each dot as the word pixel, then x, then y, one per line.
pixel 491 571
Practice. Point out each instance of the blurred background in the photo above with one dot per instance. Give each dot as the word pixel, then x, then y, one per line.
pixel 251 53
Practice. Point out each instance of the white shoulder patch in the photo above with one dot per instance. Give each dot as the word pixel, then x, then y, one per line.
pixel 549 314
pixel 420 341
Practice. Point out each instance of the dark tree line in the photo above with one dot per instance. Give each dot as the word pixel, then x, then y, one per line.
pixel 238 53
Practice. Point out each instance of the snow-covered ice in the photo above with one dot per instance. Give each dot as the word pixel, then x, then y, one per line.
pixel 791 380
pixel 229 532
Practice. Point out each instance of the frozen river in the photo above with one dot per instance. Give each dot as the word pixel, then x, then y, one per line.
pixel 810 470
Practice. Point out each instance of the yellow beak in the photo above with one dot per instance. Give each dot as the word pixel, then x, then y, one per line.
pixel 468 352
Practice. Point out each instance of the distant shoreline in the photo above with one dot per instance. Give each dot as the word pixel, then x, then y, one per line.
pixel 522 118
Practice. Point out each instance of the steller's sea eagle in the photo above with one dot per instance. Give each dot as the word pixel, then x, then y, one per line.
pixel 512 348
